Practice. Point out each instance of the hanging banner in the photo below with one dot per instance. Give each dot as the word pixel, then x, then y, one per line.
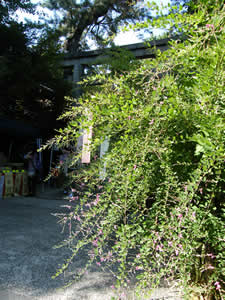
pixel 103 150
pixel 86 142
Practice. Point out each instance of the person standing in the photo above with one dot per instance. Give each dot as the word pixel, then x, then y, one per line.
pixel 32 169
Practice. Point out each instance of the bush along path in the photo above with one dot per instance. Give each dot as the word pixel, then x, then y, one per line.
pixel 158 214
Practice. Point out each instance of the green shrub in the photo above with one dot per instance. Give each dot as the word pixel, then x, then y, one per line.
pixel 159 212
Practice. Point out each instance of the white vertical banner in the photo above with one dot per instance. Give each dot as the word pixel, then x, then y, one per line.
pixel 86 142
pixel 103 150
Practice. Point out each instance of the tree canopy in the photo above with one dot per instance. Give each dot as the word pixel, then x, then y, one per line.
pixel 98 19
pixel 31 77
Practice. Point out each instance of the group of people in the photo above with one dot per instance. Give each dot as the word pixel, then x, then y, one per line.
pixel 35 169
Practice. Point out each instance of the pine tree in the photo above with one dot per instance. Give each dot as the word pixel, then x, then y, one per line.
pixel 98 20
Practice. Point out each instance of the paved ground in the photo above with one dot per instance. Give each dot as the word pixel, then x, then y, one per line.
pixel 28 232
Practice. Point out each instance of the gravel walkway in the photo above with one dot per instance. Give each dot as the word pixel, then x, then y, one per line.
pixel 28 232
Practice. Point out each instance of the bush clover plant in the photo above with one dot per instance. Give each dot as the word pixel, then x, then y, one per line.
pixel 158 212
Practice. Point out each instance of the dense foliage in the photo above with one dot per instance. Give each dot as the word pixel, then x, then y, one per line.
pixel 158 211
pixel 32 87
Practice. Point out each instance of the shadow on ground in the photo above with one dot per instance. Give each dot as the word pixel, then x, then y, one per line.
pixel 28 232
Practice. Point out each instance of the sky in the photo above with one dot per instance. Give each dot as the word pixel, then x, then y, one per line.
pixel 123 38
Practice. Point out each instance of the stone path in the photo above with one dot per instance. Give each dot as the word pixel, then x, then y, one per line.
pixel 28 232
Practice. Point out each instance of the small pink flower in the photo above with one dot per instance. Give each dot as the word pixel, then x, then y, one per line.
pixel 170 244
pixel 129 117
pixel 98 263
pixel 102 259
pixel 151 122
pixel 97 199
pixel 138 255
pixel 177 252
pixel 193 214
pixel 135 167
pixel 100 232
pixel 210 267
pixel 180 235
pixel 154 88
pixel 209 26
pixel 217 284
pixel 201 191
pixel 112 286
pixel 95 243
pixel 180 216
pixel 159 248
pixel 138 268
pixel 185 188
pixel 211 255
pixel 123 295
